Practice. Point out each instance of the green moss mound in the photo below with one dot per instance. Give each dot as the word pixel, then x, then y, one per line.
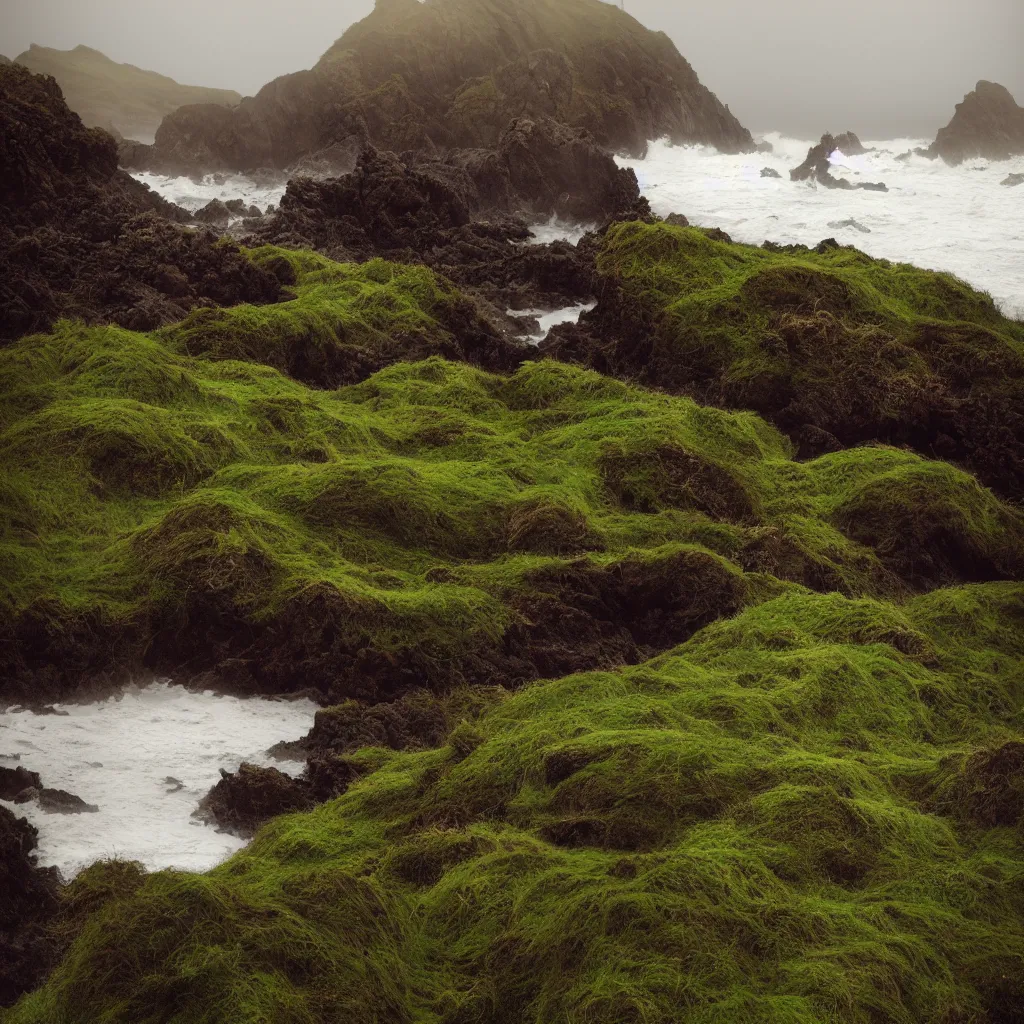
pixel 345 322
pixel 805 813
pixel 835 348
pixel 636 716
pixel 166 502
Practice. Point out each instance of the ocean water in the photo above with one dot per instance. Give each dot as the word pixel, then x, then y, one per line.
pixel 119 754
pixel 550 318
pixel 194 195
pixel 957 219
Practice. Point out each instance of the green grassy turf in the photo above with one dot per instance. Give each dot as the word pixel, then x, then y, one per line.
pixel 831 339
pixel 762 825
pixel 792 792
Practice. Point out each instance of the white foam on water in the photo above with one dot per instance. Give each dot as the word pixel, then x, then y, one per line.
pixel 550 318
pixel 957 219
pixel 557 230
pixel 118 753
pixel 194 195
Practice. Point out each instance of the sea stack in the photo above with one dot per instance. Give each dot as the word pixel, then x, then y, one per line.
pixel 988 124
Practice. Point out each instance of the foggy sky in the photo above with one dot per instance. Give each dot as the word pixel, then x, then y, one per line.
pixel 881 68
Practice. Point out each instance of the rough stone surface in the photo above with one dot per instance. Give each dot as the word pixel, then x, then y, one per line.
pixel 817 166
pixel 988 123
pixel 28 899
pixel 80 238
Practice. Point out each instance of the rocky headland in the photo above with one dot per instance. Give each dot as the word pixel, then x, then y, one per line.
pixel 453 74
pixel 668 671
pixel 121 98
pixel 988 123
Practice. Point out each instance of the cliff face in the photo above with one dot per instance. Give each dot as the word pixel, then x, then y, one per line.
pixel 78 237
pixel 454 73
pixel 115 96
pixel 988 124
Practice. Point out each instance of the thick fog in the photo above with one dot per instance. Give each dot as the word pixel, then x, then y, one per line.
pixel 878 67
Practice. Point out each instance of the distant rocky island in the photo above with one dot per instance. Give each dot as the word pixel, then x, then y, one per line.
pixel 118 97
pixel 669 668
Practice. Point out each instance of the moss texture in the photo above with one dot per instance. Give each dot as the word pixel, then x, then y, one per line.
pixel 167 502
pixel 766 824
pixel 835 348
pixel 719 735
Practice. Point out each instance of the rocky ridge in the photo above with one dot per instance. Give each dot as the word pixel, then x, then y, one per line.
pixel 120 98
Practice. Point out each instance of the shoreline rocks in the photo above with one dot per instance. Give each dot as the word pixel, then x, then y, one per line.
pixel 817 166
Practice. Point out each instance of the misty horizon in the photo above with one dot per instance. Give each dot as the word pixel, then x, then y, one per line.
pixel 799 67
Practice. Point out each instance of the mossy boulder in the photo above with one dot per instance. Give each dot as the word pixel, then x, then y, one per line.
pixel 833 347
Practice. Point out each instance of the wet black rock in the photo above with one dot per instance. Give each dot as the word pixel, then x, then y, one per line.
pixel 770 172
pixel 59 801
pixel 818 167
pixel 80 238
pixel 215 212
pixel 1013 180
pixel 28 901
pixel 242 801
pixel 14 781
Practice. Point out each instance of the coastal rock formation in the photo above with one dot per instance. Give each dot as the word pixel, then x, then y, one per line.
pixel 988 123
pixel 452 74
pixel 818 167
pixel 817 345
pixel 242 801
pixel 117 97
pixel 770 172
pixel 1013 180
pixel 79 237
pixel 464 216
pixel 28 900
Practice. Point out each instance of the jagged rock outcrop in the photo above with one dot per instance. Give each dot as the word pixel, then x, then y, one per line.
pixel 452 74
pixel 28 900
pixel 770 172
pixel 988 123
pixel 817 167
pixel 78 237
pixel 464 216
pixel 122 97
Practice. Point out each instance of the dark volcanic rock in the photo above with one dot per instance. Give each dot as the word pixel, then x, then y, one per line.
pixel 214 212
pixel 452 74
pixel 28 900
pixel 1013 180
pixel 988 123
pixel 59 801
pixel 818 168
pixel 80 238
pixel 770 172
pixel 242 801
pixel 456 216
pixel 14 781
